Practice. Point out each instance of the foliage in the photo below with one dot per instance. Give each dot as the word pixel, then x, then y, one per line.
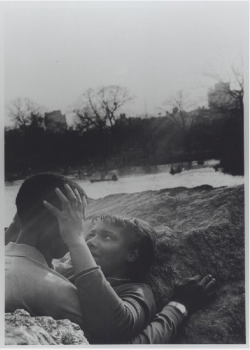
pixel 24 113
pixel 98 107
pixel 102 139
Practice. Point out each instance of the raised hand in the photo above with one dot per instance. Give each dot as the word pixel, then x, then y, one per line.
pixel 71 217
pixel 194 292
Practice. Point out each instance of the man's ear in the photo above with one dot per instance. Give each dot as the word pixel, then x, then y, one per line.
pixel 133 255
pixel 17 221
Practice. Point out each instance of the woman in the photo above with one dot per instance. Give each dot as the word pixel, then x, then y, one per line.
pixel 110 263
pixel 115 302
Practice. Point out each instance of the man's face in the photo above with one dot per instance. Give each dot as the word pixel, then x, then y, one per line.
pixel 53 238
pixel 61 249
pixel 110 247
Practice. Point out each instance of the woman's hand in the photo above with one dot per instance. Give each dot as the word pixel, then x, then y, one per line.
pixel 71 218
pixel 71 224
pixel 195 292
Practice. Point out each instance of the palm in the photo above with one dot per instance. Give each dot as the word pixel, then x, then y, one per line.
pixel 71 217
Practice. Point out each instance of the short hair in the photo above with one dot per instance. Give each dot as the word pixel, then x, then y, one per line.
pixel 143 237
pixel 37 188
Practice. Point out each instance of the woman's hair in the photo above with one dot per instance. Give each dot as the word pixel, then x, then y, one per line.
pixel 143 238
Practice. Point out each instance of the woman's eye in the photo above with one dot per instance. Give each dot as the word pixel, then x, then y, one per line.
pixel 90 235
pixel 106 236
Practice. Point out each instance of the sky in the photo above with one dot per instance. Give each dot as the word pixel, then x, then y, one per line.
pixel 55 51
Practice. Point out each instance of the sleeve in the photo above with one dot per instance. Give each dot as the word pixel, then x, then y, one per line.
pixel 63 266
pixel 162 329
pixel 59 303
pixel 107 316
pixel 43 292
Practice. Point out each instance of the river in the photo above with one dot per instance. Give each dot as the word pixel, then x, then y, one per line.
pixel 138 179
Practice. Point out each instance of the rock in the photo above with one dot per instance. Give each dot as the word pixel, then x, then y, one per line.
pixel 200 231
pixel 22 329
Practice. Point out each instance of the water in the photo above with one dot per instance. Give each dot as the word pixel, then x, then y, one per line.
pixel 136 180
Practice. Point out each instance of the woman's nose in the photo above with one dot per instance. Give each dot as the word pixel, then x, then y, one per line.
pixel 91 242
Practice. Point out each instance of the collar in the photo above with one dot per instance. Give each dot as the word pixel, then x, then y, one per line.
pixel 24 250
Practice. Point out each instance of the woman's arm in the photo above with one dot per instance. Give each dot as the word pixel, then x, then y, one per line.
pixel 192 294
pixel 71 225
pixel 106 315
pixel 162 330
pixel 109 317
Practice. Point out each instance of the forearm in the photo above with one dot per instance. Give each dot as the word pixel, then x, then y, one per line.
pixel 81 257
pixel 162 329
pixel 105 313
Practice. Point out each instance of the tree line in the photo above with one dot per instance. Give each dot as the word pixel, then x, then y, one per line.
pixel 103 137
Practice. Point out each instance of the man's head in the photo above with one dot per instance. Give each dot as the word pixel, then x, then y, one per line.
pixel 29 201
pixel 119 243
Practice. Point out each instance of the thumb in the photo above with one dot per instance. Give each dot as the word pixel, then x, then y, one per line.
pixel 52 209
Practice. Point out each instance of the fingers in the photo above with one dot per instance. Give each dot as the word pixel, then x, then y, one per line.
pixel 196 278
pixel 62 198
pixel 205 280
pixel 71 196
pixel 192 280
pixel 210 286
pixel 75 199
pixel 80 202
pixel 78 197
pixel 84 194
pixel 72 199
pixel 52 209
pixel 84 202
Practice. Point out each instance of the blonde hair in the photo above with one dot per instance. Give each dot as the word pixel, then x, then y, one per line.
pixel 143 236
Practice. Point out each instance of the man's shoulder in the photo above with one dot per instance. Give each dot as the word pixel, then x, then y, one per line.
pixel 28 261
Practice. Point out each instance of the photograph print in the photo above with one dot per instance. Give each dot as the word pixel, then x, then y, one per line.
pixel 125 172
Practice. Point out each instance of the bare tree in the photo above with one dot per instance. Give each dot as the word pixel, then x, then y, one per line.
pixel 232 94
pixel 237 89
pixel 184 121
pixel 230 112
pixel 98 108
pixel 24 112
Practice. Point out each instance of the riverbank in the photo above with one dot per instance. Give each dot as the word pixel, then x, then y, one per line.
pixel 135 180
pixel 84 173
pixel 200 231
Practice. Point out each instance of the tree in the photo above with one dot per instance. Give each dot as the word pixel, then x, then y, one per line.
pixel 232 95
pixel 185 124
pixel 98 108
pixel 230 110
pixel 28 135
pixel 25 113
pixel 237 90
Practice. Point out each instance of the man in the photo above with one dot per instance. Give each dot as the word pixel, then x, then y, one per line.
pixel 33 285
pixel 30 283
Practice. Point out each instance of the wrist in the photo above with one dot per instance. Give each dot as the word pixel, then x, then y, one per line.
pixel 181 307
pixel 76 242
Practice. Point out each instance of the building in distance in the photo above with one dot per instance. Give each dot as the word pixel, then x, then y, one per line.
pixel 221 97
pixel 55 122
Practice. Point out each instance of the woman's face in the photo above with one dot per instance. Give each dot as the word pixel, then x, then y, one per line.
pixel 110 247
